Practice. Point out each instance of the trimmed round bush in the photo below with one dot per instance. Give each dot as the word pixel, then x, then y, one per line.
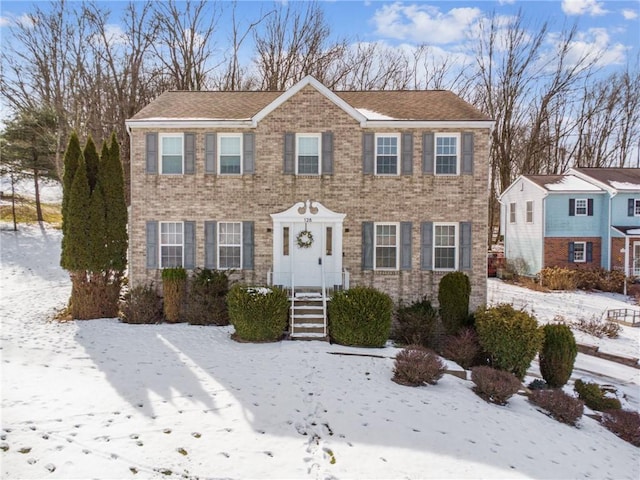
pixel 416 365
pixel 206 298
pixel 495 386
pixel 510 337
pixel 453 297
pixel 557 355
pixel 462 348
pixel 360 316
pixel 415 323
pixel 594 396
pixel 562 407
pixel 259 314
pixel 141 305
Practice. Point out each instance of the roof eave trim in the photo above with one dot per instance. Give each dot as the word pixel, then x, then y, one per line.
pixel 308 80
pixel 588 178
pixel 427 124
pixel 187 123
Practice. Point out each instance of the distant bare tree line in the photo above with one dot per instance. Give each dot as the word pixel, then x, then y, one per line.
pixel 553 108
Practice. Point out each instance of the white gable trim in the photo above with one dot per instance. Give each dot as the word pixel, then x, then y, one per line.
pixel 309 80
pixel 186 123
pixel 513 185
pixel 612 191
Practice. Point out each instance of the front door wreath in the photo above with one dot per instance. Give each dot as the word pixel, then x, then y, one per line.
pixel 304 239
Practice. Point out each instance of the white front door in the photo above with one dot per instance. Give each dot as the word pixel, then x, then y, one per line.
pixel 307 262
pixel 635 270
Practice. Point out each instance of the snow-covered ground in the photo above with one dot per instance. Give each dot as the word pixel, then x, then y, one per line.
pixel 102 399
pixel 50 190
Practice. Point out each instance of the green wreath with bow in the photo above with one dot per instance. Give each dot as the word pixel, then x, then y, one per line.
pixel 304 239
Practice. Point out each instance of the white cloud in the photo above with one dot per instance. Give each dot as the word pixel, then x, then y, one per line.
pixel 629 14
pixel 594 45
pixel 506 2
pixel 4 22
pixel 424 23
pixel 583 7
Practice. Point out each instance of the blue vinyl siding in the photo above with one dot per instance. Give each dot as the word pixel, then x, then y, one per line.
pixel 619 211
pixel 558 222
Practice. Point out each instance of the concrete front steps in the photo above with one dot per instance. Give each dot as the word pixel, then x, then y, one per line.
pixel 308 316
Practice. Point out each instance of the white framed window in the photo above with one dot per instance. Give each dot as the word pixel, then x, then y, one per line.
pixel 171 153
pixel 229 245
pixel 171 244
pixel 512 212
pixel 387 148
pixel 581 207
pixel 529 211
pixel 308 148
pixel 636 207
pixel 386 249
pixel 445 246
pixel 579 252
pixel 230 153
pixel 447 155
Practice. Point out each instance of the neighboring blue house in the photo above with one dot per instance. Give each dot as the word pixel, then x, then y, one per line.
pixel 588 217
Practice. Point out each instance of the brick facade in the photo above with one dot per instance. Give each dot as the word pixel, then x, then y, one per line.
pixel 556 252
pixel 410 198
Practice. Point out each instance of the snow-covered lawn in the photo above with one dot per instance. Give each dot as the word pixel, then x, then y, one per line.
pixel 101 399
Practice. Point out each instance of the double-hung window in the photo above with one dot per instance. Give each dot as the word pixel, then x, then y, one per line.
pixel 579 252
pixel 386 246
pixel 636 207
pixel 512 212
pixel 171 153
pixel 387 147
pixel 581 207
pixel 229 245
pixel 308 154
pixel 447 154
pixel 529 211
pixel 230 156
pixel 445 253
pixel 171 244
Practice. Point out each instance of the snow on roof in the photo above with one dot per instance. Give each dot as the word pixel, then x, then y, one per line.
pixel 625 185
pixel 633 231
pixel 371 115
pixel 571 183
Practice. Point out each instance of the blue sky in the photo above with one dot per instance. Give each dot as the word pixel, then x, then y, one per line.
pixel 447 25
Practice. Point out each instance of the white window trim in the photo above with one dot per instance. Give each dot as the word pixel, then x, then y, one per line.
pixel 220 244
pixel 219 151
pixel 310 135
pixel 512 212
pixel 584 252
pixel 586 207
pixel 375 246
pixel 526 211
pixel 160 244
pixel 456 246
pixel 398 154
pixel 636 205
pixel 160 153
pixel 435 153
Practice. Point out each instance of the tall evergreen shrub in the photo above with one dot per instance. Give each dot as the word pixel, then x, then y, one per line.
pixel 92 160
pixel 71 161
pixel 453 297
pixel 557 355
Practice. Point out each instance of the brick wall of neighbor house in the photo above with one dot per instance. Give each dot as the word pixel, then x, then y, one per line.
pixel 414 198
pixel 617 257
pixel 556 252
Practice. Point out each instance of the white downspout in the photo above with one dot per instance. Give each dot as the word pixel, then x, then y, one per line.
pixel 626 263
pixel 610 247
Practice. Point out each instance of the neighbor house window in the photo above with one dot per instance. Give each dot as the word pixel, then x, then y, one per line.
pixel 512 212
pixel 171 154
pixel 230 156
pixel 529 211
pixel 386 246
pixel 447 157
pixel 229 245
pixel 581 206
pixel 636 207
pixel 171 244
pixel 387 154
pixel 308 154
pixel 579 252
pixel 444 246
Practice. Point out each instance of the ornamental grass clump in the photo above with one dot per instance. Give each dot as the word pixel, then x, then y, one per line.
pixel 415 324
pixel 360 316
pixel 510 337
pixel 174 282
pixel 259 314
pixel 557 355
pixel 416 365
pixel 494 386
pixel 562 407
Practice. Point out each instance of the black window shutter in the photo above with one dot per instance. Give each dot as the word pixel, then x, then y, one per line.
pixel 248 153
pixel 572 207
pixel 630 207
pixel 465 245
pixel 589 252
pixel 428 150
pixel 571 248
pixel 590 207
pixel 189 245
pixel 367 245
pixel 467 153
pixel 289 153
pixel 405 243
pixel 151 142
pixel 189 153
pixel 210 153
pixel 407 153
pixel 426 245
pixel 152 244
pixel 210 241
pixel 247 245
pixel 327 153
pixel 368 153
